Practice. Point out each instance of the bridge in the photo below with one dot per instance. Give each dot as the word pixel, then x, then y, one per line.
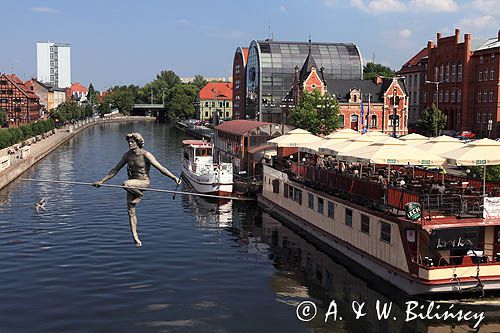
pixel 155 110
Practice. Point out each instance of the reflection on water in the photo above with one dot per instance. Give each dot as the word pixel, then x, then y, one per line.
pixel 205 266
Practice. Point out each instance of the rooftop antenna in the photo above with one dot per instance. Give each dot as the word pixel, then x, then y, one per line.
pixel 270 34
pixel 309 43
pixel 373 57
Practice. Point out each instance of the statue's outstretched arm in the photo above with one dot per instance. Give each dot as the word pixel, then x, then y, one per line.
pixel 160 167
pixel 113 171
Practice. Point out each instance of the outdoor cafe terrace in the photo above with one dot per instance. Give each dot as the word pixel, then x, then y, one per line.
pixel 459 203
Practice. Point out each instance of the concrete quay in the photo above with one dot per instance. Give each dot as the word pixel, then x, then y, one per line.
pixel 42 148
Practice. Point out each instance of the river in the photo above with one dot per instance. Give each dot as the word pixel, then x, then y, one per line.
pixel 203 267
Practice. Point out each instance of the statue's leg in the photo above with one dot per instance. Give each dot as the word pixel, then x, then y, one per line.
pixel 132 217
pixel 130 185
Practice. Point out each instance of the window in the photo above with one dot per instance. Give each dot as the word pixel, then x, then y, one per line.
pixel 206 104
pixel 276 186
pixel 453 72
pixel 441 73
pixel 435 73
pixel 446 96
pixel 365 224
pixel 331 210
pixel 459 95
pixel 10 92
pixel 447 74
pixel 492 73
pixel 385 232
pixel 297 196
pixel 311 200
pixel 441 96
pixel 391 120
pixel 452 95
pixel 485 95
pixel 491 96
pixel 285 190
pixel 3 81
pixel 480 74
pixel 348 217
pixel 373 122
pixel 479 96
pixel 321 204
pixel 425 96
pixel 481 60
pixel 206 114
pixel 459 78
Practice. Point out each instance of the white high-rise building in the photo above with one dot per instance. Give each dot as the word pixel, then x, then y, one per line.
pixel 53 62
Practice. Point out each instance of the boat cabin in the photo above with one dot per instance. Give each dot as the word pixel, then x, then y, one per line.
pixel 197 151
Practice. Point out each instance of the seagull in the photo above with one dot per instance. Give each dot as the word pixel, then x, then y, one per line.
pixel 41 204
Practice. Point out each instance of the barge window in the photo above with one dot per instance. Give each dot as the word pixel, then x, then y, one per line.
pixel 385 232
pixel 331 210
pixel 365 224
pixel 348 217
pixel 311 201
pixel 276 186
pixel 297 196
pixel 321 204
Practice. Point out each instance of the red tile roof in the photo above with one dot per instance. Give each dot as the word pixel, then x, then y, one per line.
pixel 16 81
pixel 79 87
pixel 416 58
pixel 217 90
pixel 239 127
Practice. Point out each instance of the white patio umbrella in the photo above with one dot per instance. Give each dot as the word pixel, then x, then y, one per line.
pixel 354 143
pixel 441 144
pixel 294 138
pixel 392 152
pixel 482 152
pixel 340 136
pixel 414 139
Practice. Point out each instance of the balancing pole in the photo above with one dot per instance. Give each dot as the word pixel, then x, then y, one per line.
pixel 139 188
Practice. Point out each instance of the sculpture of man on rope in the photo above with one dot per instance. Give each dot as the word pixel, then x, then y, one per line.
pixel 138 163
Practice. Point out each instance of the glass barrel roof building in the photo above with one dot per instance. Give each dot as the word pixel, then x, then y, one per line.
pixel 271 67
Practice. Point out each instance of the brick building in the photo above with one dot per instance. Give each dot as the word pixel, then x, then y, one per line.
pixel 50 96
pixel 239 73
pixel 415 73
pixel 22 105
pixel 384 100
pixel 462 80
pixel 215 98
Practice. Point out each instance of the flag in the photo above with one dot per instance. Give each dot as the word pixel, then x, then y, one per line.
pixel 362 116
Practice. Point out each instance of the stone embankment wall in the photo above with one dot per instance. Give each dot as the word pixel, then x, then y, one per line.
pixel 53 142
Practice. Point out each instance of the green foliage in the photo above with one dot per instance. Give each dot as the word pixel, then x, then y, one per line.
pixel 432 121
pixel 179 103
pixel 15 135
pixel 492 172
pixel 3 118
pixel 92 95
pixel 199 81
pixel 316 113
pixel 67 111
pixel 372 70
pixel 122 98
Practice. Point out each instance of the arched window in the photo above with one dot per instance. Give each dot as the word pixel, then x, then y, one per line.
pixel 373 121
pixel 391 120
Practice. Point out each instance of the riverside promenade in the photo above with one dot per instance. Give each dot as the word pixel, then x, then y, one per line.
pixel 42 148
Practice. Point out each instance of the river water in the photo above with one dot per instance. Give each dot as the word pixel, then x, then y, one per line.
pixel 203 267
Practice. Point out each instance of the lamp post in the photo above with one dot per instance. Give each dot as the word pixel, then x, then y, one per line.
pixel 437 103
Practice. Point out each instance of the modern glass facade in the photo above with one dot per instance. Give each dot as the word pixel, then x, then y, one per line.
pixel 271 67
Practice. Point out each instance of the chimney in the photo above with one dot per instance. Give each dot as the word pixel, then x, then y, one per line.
pixel 430 44
pixel 438 36
pixel 378 80
pixel 498 35
pixel 457 36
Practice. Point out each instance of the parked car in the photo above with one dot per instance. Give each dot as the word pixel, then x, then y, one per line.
pixel 466 134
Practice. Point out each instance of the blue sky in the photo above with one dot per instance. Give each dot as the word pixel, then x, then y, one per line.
pixel 124 42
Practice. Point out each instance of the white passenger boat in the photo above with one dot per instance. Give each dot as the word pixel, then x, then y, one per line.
pixel 199 169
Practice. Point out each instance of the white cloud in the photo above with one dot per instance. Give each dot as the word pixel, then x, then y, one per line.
pixel 434 6
pixel 405 33
pixel 490 7
pixel 478 22
pixel 45 10
pixel 283 9
pixel 379 6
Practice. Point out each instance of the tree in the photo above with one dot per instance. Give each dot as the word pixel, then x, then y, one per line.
pixel 92 95
pixel 432 121
pixel 316 113
pixel 179 102
pixel 121 97
pixel 372 70
pixel 3 117
pixel 199 81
